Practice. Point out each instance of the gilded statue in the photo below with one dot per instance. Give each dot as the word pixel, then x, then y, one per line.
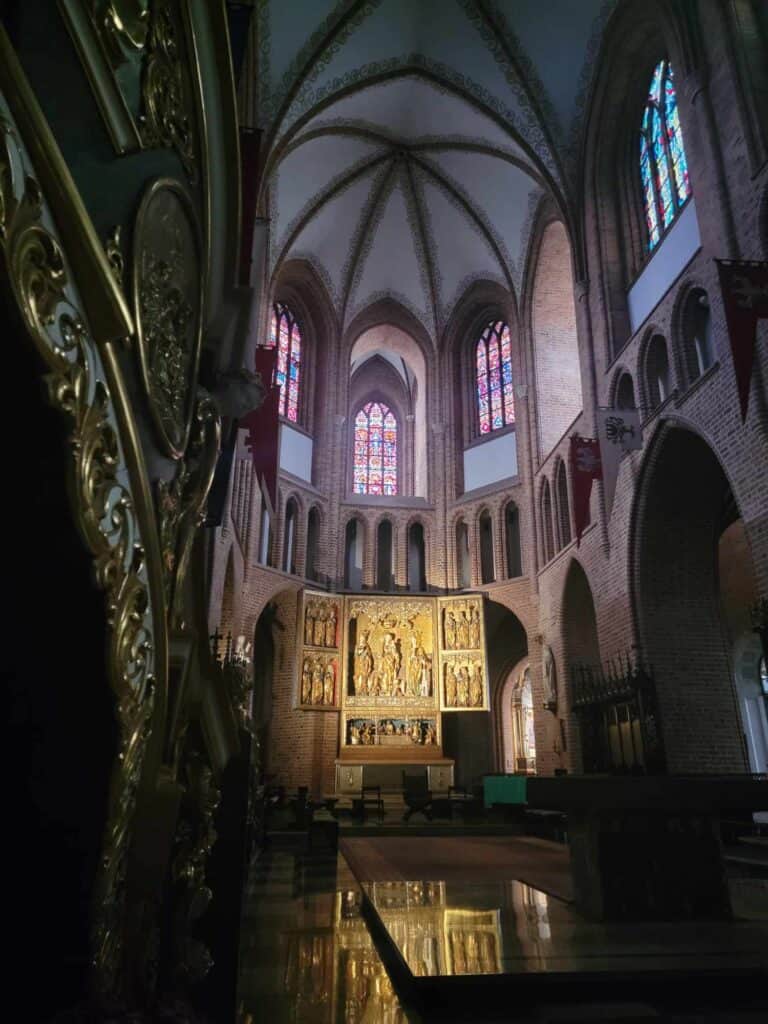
pixel 414 665
pixel 319 631
pixel 475 685
pixel 330 627
pixel 317 682
pixel 306 682
pixel 474 628
pixel 450 630
pixel 363 666
pixel 462 632
pixel 462 687
pixel 309 623
pixel 425 674
pixel 328 684
pixel 450 686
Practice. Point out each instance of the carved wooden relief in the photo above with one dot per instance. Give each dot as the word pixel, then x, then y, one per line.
pixel 319 646
pixel 463 662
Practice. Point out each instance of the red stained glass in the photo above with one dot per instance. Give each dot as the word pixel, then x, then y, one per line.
pixel 285 335
pixel 375 450
pixel 493 378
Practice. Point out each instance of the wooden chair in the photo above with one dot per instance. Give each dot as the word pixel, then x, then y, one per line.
pixel 417 795
pixel 370 796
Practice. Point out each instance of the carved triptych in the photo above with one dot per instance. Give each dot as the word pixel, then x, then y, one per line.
pixel 392 665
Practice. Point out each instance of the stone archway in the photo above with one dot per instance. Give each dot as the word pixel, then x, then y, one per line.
pixel 580 647
pixel 684 506
pixel 515 711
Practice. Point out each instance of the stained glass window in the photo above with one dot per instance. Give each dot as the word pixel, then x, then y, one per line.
pixel 375 451
pixel 493 378
pixel 663 165
pixel 285 335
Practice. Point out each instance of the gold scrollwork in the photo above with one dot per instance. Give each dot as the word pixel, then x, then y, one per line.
pixel 77 385
pixel 181 502
pixel 167 290
pixel 167 119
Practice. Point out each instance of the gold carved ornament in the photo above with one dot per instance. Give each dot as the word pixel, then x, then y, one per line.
pixel 168 285
pixel 146 56
pixel 77 385
pixel 181 502
pixel 167 118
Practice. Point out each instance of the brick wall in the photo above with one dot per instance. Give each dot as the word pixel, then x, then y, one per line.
pixel 649 566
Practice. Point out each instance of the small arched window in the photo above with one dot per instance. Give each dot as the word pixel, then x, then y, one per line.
pixel 697 334
pixel 384 560
pixel 289 538
pixel 285 335
pixel 663 164
pixel 512 530
pixel 657 372
pixel 493 378
pixel 547 531
pixel 375 450
pixel 487 565
pixel 417 561
pixel 625 392
pixel 313 537
pixel 353 555
pixel 463 575
pixel 563 509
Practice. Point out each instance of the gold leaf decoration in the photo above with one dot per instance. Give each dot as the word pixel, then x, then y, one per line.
pixel 77 385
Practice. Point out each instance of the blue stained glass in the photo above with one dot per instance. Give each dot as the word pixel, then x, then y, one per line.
pixel 285 335
pixel 493 378
pixel 663 164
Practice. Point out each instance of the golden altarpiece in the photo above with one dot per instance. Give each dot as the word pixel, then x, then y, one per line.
pixel 391 666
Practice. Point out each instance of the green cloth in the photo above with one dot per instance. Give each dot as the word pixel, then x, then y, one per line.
pixel 504 789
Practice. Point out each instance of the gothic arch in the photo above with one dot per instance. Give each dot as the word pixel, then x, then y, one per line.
pixel 682 497
pixel 550 327
pixel 299 286
pixel 637 36
pixel 482 303
pixel 692 358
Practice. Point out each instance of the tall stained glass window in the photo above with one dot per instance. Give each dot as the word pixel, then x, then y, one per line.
pixel 285 335
pixel 663 165
pixel 375 454
pixel 493 378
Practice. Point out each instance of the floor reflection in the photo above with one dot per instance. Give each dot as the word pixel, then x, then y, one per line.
pixel 307 955
pixel 509 927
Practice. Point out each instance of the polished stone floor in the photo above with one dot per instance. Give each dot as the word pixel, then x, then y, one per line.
pixel 444 929
pixel 308 956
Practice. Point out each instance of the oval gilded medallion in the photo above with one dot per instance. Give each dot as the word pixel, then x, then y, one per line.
pixel 168 295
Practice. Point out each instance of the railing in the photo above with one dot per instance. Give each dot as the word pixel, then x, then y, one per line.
pixel 618 716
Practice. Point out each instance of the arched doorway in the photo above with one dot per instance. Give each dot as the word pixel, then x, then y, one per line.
pixel 580 648
pixel 738 593
pixel 481 739
pixel 683 509
pixel 516 708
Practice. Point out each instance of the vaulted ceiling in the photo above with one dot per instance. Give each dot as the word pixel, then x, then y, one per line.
pixel 410 141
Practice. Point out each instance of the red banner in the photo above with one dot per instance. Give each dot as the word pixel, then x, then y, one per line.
pixel 263 425
pixel 586 466
pixel 745 296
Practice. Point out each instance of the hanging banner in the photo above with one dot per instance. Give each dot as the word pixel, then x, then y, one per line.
pixel 263 426
pixel 619 432
pixel 744 286
pixel 585 467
